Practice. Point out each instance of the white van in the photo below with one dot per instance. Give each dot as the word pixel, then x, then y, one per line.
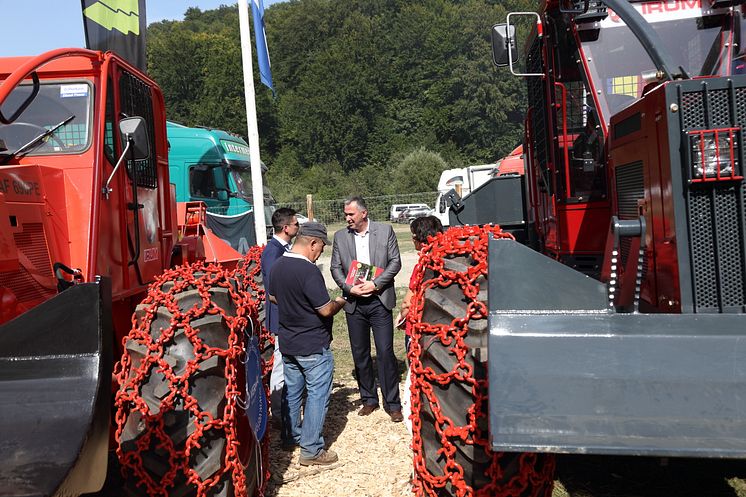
pixel 469 178
pixel 397 209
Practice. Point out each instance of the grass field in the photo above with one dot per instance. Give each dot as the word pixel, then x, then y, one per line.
pixel 343 364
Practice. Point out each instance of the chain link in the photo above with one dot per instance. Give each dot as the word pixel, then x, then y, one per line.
pixel 534 473
pixel 248 296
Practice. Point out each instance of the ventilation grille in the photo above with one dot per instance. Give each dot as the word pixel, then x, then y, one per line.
pixel 25 286
pixel 630 185
pixel 717 246
pixel 717 221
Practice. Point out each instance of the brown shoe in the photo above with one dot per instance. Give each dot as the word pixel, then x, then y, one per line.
pixel 367 409
pixel 324 458
pixel 396 416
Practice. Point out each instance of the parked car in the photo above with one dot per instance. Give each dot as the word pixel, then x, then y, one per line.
pixel 301 218
pixel 409 215
pixel 397 209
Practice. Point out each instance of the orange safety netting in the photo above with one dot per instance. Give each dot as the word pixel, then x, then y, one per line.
pixel 534 473
pixel 130 376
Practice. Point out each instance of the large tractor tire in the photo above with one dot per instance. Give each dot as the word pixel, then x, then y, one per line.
pixel 251 284
pixel 448 319
pixel 180 429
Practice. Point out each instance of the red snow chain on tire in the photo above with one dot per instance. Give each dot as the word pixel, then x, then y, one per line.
pixel 532 477
pixel 248 273
pixel 129 376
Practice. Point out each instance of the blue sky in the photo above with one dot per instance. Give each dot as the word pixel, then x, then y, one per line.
pixel 30 27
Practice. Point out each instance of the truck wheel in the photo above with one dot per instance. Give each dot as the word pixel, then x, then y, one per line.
pixel 452 454
pixel 179 428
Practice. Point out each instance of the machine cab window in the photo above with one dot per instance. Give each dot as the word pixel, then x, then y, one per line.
pixel 64 106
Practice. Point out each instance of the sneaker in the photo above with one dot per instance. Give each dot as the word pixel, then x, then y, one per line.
pixel 324 458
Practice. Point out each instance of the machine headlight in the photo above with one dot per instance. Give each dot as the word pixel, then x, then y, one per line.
pixel 714 154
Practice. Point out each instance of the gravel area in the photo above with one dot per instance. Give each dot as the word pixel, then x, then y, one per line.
pixel 375 459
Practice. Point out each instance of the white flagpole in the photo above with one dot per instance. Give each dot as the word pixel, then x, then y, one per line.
pixel 257 187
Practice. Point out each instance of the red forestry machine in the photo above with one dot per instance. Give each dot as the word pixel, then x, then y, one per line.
pixel 608 315
pixel 91 234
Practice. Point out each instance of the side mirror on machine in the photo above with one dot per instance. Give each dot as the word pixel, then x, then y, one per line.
pixel 136 146
pixel 504 47
pixel 135 131
pixel 503 41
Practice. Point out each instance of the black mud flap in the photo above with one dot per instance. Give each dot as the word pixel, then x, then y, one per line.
pixel 55 385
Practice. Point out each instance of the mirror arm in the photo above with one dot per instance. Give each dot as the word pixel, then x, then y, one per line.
pixel 539 34
pixel 106 190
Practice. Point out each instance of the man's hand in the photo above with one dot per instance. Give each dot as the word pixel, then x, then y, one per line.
pixel 363 289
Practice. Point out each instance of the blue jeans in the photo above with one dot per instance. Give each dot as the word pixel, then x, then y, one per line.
pixel 312 373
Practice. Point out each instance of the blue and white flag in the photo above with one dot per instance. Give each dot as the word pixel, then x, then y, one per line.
pixel 262 55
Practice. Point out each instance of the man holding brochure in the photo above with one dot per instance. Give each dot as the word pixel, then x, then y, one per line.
pixel 365 259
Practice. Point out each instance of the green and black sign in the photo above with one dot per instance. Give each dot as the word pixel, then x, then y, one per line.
pixel 116 25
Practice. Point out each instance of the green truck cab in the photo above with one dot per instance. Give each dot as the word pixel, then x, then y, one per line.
pixel 213 166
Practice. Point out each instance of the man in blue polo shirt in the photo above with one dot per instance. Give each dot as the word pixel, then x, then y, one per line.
pixel 305 331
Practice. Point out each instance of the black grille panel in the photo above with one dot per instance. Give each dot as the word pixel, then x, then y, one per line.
pixel 741 105
pixel 537 98
pixel 719 110
pixel 717 248
pixel 136 100
pixel 693 110
pixel 729 245
pixel 703 255
pixel 630 185
pixel 716 208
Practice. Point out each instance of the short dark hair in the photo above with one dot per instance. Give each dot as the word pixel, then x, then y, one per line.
pixel 281 217
pixel 360 201
pixel 424 227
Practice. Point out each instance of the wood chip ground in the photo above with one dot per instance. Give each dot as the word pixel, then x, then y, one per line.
pixel 375 459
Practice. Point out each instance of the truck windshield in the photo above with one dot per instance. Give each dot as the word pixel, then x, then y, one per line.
pixel 694 37
pixel 54 104
pixel 242 178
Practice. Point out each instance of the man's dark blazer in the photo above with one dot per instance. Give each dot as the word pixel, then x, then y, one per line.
pixel 271 253
pixel 384 253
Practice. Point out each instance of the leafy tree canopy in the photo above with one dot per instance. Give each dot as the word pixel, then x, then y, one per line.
pixel 366 89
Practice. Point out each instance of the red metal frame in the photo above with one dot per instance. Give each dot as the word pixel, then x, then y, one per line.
pixel 83 229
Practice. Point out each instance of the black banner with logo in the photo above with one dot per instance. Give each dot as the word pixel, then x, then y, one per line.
pixel 116 25
pixel 237 231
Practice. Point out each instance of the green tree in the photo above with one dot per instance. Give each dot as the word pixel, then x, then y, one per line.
pixel 419 171
pixel 360 84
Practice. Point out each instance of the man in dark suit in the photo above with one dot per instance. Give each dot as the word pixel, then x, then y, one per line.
pixel 369 304
pixel 285 226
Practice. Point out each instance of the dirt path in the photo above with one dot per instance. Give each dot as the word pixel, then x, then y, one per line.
pixel 374 456
pixel 375 461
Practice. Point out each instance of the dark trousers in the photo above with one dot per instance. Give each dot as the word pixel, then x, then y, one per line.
pixel 371 313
